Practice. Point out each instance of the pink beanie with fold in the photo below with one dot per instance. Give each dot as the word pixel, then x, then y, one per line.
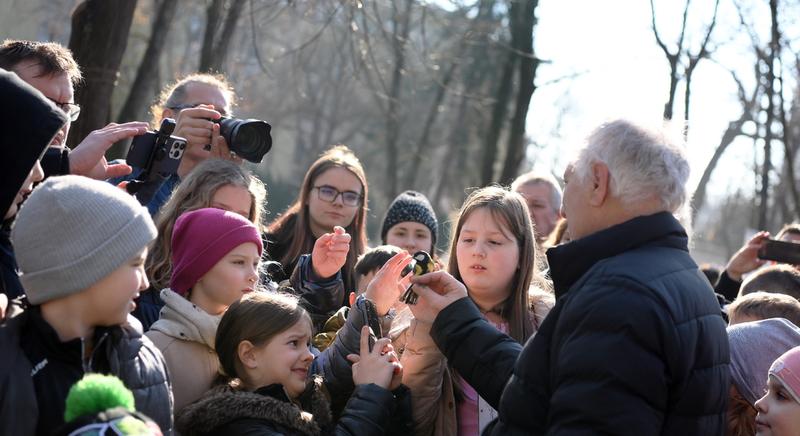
pixel 787 369
pixel 201 238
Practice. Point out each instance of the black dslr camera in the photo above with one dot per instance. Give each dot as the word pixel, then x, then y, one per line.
pixel 158 154
pixel 249 139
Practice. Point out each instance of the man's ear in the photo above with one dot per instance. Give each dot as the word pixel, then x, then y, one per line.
pixel 247 355
pixel 600 179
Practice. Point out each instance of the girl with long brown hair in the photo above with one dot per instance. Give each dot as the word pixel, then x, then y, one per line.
pixel 333 193
pixel 493 253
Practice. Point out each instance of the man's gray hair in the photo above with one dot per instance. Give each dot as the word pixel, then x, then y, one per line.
pixel 534 178
pixel 641 162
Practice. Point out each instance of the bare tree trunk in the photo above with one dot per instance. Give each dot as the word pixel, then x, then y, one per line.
pixel 763 205
pixel 672 57
pixel 422 144
pixel 499 110
pixel 145 83
pixel 215 44
pixel 135 106
pixel 515 152
pixel 399 38
pixel 99 36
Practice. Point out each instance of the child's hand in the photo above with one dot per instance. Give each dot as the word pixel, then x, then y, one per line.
pixel 377 366
pixel 330 253
pixel 387 285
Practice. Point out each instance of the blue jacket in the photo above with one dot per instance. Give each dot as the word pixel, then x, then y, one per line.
pixel 635 344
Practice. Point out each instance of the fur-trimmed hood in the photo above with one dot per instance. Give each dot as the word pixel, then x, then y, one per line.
pixel 228 403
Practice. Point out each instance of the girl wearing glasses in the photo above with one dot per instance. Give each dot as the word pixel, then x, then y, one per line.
pixel 334 193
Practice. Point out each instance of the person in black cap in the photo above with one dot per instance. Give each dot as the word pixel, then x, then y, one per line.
pixel 410 223
pixel 30 122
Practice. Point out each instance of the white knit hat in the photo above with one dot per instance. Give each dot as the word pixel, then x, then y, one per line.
pixel 72 232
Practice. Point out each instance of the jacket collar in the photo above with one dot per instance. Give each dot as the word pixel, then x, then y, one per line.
pixel 183 320
pixel 572 260
pixel 225 404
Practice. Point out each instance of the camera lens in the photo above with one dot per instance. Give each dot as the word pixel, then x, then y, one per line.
pixel 250 139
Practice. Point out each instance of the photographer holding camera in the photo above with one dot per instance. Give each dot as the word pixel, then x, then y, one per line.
pixel 200 105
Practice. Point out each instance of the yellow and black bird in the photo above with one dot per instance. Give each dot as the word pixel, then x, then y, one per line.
pixel 423 264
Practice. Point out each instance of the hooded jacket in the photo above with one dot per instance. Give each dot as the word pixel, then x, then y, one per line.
pixel 30 121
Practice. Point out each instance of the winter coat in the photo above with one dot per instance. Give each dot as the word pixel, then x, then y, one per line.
pixel 268 411
pixel 428 376
pixel 635 344
pixel 28 122
pixel 185 335
pixel 37 368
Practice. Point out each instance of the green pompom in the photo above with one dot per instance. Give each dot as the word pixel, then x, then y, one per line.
pixel 95 393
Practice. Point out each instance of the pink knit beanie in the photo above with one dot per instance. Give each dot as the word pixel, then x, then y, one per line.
pixel 201 238
pixel 787 369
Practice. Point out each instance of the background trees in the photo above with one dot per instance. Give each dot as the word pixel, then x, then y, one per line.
pixel 439 96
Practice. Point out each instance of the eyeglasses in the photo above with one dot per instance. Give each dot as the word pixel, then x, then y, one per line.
pixel 181 107
pixel 71 109
pixel 329 194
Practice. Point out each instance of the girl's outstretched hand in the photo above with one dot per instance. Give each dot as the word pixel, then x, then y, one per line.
pixel 330 253
pixel 379 366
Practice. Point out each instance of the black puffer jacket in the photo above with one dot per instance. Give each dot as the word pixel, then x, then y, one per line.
pixel 372 410
pixel 634 346
pixel 121 351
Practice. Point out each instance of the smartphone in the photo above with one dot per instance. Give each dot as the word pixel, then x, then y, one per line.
pixel 780 251
pixel 373 321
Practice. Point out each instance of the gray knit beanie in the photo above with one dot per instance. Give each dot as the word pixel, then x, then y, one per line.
pixel 410 206
pixel 73 231
pixel 754 346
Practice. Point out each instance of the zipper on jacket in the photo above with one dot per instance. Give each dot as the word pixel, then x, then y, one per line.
pixel 87 364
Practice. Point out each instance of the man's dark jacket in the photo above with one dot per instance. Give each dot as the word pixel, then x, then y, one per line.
pixel 635 344
pixel 28 122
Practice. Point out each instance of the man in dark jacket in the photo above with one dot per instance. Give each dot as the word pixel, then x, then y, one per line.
pixel 635 344
pixel 80 278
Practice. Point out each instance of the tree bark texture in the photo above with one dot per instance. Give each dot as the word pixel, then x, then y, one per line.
pixel 98 40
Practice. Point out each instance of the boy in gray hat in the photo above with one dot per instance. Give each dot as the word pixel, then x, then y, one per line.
pixel 80 245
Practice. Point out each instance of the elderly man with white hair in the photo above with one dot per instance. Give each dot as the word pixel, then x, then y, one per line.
pixel 635 344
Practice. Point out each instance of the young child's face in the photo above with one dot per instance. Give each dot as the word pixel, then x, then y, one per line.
pixel 229 279
pixel 410 236
pixel 487 255
pixel 778 412
pixel 286 358
pixel 111 299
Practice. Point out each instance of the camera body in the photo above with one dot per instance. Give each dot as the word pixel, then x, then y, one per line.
pixel 159 155
pixel 250 139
